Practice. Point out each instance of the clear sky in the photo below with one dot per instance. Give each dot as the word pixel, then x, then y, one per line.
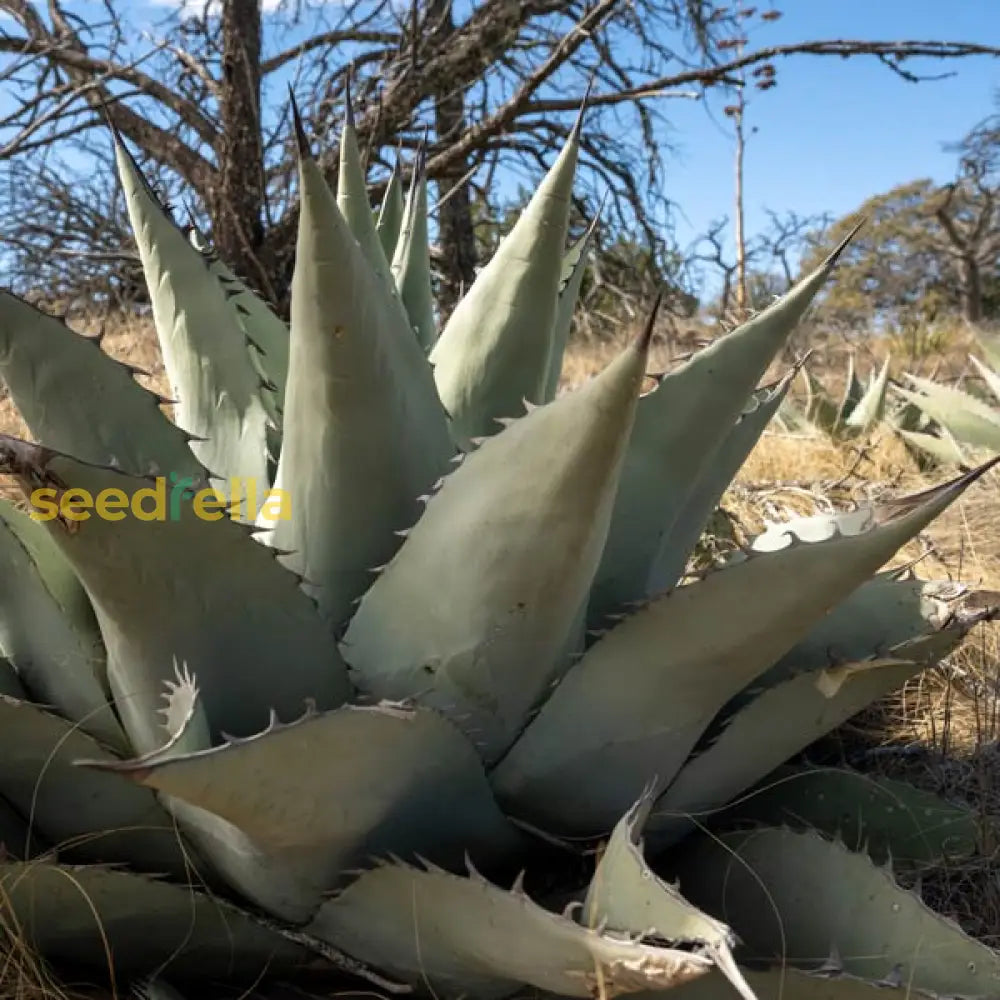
pixel 833 131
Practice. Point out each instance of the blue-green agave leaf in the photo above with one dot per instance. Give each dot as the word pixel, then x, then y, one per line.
pixel 853 393
pixel 823 981
pixel 702 501
pixel 871 407
pixel 355 208
pixel 473 614
pixel 219 392
pixel 634 707
pixel 266 334
pixel 284 884
pixel 89 816
pixel 364 434
pixel 17 841
pixel 971 421
pixel 887 819
pixel 812 700
pixel 391 214
pixel 10 682
pixel 411 264
pixel 574 268
pixel 48 629
pixel 387 775
pixel 467 937
pixel 183 586
pixel 94 917
pixel 679 428
pixel 76 398
pixel 797 897
pixel 990 377
pixel 494 351
pixel 626 895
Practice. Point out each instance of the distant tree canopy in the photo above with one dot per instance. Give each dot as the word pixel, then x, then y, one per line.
pixel 926 250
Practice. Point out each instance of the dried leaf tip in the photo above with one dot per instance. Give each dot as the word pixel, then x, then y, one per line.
pixel 578 124
pixel 301 139
pixel 348 104
pixel 645 337
pixel 842 246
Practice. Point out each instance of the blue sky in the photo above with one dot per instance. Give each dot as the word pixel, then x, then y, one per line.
pixel 833 131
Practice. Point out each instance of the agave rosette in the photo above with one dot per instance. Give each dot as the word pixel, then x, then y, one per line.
pixel 377 731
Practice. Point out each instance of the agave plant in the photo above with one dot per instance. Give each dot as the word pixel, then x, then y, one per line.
pixel 860 409
pixel 425 715
pixel 947 424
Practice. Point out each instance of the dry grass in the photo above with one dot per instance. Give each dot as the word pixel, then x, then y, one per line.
pixel 941 731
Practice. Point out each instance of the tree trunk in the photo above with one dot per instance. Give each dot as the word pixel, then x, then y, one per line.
pixel 238 202
pixel 456 234
pixel 972 290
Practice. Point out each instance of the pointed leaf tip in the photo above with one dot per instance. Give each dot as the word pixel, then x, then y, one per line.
pixel 842 246
pixel 301 139
pixel 646 335
pixel 578 124
pixel 348 104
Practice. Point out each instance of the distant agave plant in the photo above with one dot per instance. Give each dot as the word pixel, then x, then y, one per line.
pixel 861 408
pixel 232 753
pixel 946 424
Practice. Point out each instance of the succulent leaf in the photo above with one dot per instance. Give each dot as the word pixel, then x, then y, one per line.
pixel 414 769
pixel 411 264
pixel 796 896
pixel 364 432
pixel 391 214
pixel 10 681
pixel 990 377
pixel 679 427
pixel 92 916
pixel 626 895
pixel 968 419
pixel 871 407
pixel 634 707
pixel 115 420
pixel 494 351
pixel 355 208
pixel 180 586
pixel 89 815
pixel 854 391
pixel 574 268
pixel 888 820
pixel 941 448
pixel 17 840
pixel 58 653
pixel 266 333
pixel 821 410
pixel 752 745
pixel 827 981
pixel 678 543
pixel 219 393
pixel 466 936
pixel 473 613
